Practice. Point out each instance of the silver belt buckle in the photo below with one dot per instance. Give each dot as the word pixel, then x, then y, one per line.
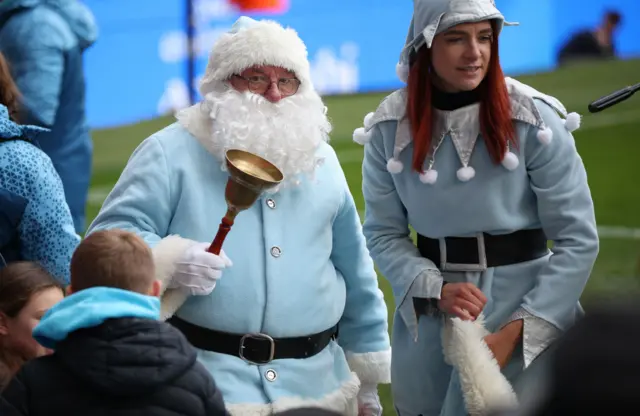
pixel 481 266
pixel 272 347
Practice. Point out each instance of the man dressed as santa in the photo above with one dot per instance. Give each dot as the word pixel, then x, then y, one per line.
pixel 297 319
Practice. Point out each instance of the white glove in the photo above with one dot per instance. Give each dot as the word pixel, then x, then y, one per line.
pixel 198 271
pixel 369 401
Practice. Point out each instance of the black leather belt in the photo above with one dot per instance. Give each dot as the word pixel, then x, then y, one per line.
pixel 485 250
pixel 254 348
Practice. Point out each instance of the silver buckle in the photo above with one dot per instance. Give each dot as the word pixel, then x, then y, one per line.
pixel 272 347
pixel 481 266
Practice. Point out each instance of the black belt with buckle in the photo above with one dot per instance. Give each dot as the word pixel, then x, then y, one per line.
pixel 484 250
pixel 254 348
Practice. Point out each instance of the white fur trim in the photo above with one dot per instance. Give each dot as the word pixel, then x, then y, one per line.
pixel 572 122
pixel 466 173
pixel 371 367
pixel 361 136
pixel 429 177
pixel 170 302
pixel 264 42
pixel 165 255
pixel 484 386
pixel 367 120
pixel 510 161
pixel 402 71
pixel 394 166
pixel 545 135
pixel 343 401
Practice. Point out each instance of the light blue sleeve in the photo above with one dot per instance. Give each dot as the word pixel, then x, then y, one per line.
pixel 363 328
pixel 140 201
pixel 386 228
pixel 38 68
pixel 46 231
pixel 566 212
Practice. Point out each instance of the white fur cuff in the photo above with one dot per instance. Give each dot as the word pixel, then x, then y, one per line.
pixel 371 367
pixel 484 387
pixel 165 255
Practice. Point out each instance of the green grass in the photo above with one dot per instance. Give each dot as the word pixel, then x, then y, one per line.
pixel 609 143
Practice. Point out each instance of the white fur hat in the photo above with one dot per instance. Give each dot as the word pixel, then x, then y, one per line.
pixel 251 42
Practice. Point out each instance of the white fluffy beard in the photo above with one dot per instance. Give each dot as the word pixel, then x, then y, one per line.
pixel 286 133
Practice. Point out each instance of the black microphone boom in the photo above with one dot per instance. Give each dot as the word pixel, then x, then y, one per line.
pixel 613 98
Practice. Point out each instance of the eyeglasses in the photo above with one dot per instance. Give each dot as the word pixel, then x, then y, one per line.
pixel 259 84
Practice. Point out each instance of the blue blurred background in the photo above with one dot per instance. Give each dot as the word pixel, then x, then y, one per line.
pixel 353 45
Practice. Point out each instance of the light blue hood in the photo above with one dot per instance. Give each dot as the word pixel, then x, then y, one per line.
pixel 11 130
pixel 91 307
pixel 75 13
pixel 431 17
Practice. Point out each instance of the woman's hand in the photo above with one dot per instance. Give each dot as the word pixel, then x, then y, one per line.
pixel 463 300
pixel 504 342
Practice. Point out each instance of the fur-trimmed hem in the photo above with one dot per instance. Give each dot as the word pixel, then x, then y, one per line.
pixel 343 401
pixel 165 255
pixel 483 385
pixel 371 367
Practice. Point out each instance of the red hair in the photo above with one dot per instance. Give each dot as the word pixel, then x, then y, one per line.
pixel 495 108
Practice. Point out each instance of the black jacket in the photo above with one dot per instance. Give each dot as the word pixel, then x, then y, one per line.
pixel 123 367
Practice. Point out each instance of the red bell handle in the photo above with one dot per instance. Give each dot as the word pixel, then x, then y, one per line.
pixel 223 230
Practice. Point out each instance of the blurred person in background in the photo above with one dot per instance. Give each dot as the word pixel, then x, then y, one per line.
pixel 592 44
pixel 44 42
pixel 35 222
pixel 27 292
pixel 595 367
pixel 298 318
pixel 485 170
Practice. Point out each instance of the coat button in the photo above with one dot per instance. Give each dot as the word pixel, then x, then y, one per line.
pixel 270 375
pixel 275 251
pixel 271 203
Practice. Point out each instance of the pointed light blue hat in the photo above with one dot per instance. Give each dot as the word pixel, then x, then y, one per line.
pixel 431 17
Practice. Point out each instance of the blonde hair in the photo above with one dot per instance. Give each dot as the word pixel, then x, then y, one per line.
pixel 113 258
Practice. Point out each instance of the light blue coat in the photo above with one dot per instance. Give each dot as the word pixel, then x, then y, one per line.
pixel 35 223
pixel 323 275
pixel 548 189
pixel 49 72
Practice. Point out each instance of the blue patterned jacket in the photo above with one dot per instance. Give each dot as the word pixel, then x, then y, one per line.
pixel 49 72
pixel 35 222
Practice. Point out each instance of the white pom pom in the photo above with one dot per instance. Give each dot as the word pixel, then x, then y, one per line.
pixel 367 120
pixel 394 166
pixel 545 135
pixel 572 122
pixel 510 161
pixel 466 173
pixel 402 71
pixel 361 136
pixel 324 110
pixel 429 177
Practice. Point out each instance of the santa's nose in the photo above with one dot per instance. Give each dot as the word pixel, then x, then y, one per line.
pixel 272 94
